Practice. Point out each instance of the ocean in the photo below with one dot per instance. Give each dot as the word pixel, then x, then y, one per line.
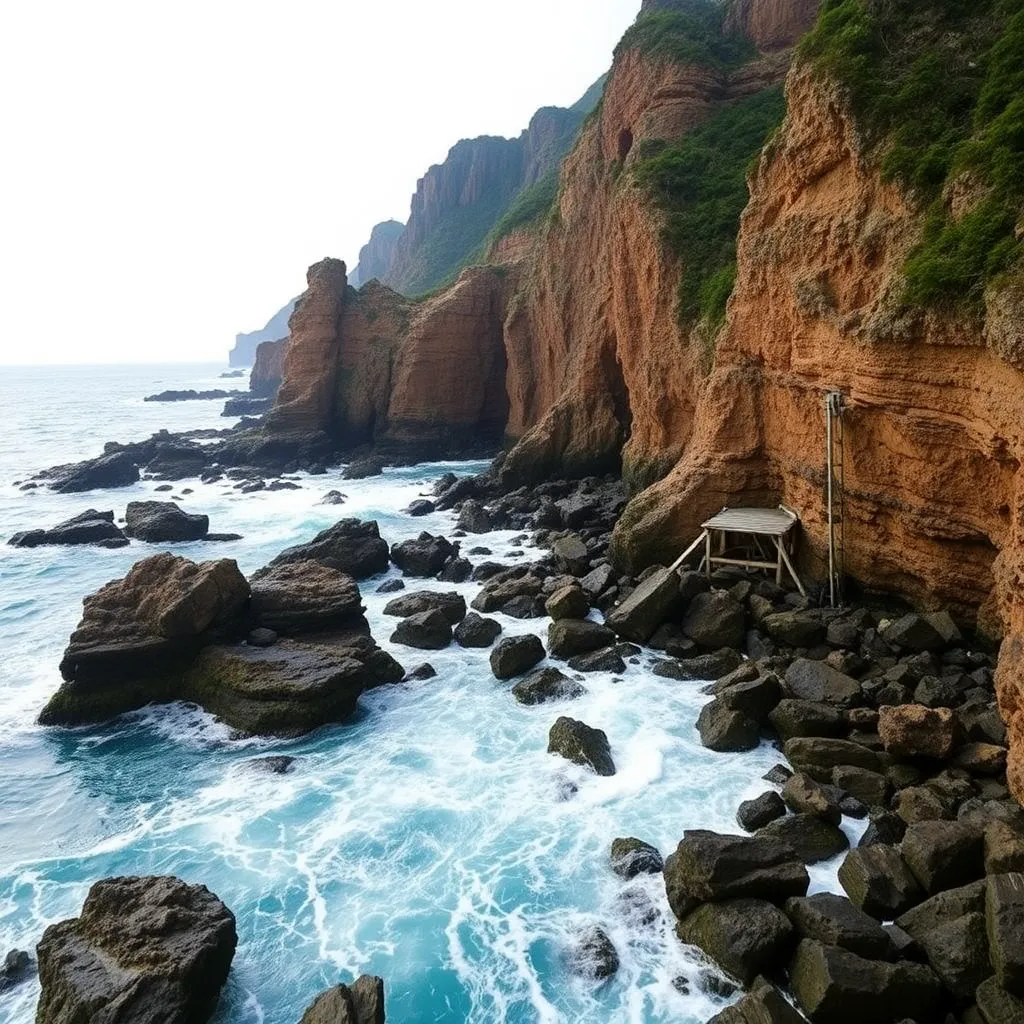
pixel 428 841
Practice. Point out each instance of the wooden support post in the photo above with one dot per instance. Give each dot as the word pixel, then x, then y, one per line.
pixel 707 553
pixel 677 564
pixel 789 566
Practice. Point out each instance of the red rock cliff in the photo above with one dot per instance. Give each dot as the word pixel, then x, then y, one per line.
pixel 268 370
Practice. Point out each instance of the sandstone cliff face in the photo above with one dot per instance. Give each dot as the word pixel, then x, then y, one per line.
pixel 772 25
pixel 599 371
pixel 375 257
pixel 268 368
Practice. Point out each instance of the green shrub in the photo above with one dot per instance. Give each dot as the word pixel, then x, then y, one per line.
pixel 699 183
pixel 691 35
pixel 533 202
pixel 938 88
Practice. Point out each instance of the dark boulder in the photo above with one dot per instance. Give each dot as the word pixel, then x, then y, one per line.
pixel 568 602
pixel 724 729
pixel 812 839
pixel 159 522
pixel 958 952
pixel 580 743
pixel 360 469
pixel 943 854
pixel 546 684
pixel 424 557
pixel 877 879
pixel 756 813
pixel 794 629
pixel 149 950
pixel 420 507
pixel 703 666
pixel 350 546
pixel 515 655
pixel 818 756
pixel 915 632
pixel 474 518
pixel 631 857
pixel 304 597
pixel 571 555
pixel 819 682
pixel 426 631
pixel 421 673
pixel 90 527
pixel 996 1005
pixel 476 631
pixel 451 605
pixel 834 921
pixel 594 956
pixel 714 620
pixel 942 909
pixel 567 637
pixel 763 1004
pixel 607 659
pixel 114 469
pixel 17 967
pixel 458 570
pixel 1004 914
pixel 647 607
pixel 805 796
pixel 794 717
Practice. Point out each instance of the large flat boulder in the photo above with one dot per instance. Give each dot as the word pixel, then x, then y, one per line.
pixel 350 546
pixel 913 730
pixel 451 604
pixel 819 682
pixel 146 950
pixel 715 619
pixel 114 469
pixel 304 597
pixel 647 607
pixel 163 522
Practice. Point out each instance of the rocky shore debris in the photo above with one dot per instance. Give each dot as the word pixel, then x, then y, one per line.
pixel 362 1002
pixel 90 527
pixel 191 395
pixel 162 522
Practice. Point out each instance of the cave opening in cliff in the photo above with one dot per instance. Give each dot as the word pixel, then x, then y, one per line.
pixel 625 143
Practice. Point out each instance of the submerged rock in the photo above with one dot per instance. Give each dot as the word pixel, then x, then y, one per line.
pixel 149 950
pixel 594 955
pixel 350 546
pixel 89 527
pixel 546 684
pixel 631 857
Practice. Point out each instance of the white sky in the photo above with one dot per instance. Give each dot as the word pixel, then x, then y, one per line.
pixel 169 170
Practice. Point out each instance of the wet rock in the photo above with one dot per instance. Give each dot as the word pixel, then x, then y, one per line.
pixel 608 659
pixel 1004 914
pixel 506 585
pixel 361 469
pixel 834 921
pixel 714 620
pixel 806 718
pixel 778 775
pixel 158 522
pixel 571 555
pixel 115 469
pixel 424 557
pixel 819 682
pixel 813 840
pixel 568 603
pixel 152 950
pixel 803 795
pixel 515 655
pixel 877 879
pixel 756 813
pixel 17 967
pixel 818 756
pixel 832 984
pixel 458 570
pixel 707 866
pixel 754 697
pixel 704 666
pixel 362 1002
pixel 942 909
pixel 350 545
pixel 943 854
pixel 451 605
pixel 647 607
pixel 333 498
pixel 523 607
pixel 304 597
pixel 916 731
pixel 568 637
pixel 420 507
pixel 391 586
pixel 476 631
pixel 745 937
pixel 919 803
pixel 546 684
pixel 427 631
pixel 275 764
pixel 474 518
pixel 763 1004
pixel 595 956
pixel 580 743
pixel 89 527
pixel 724 729
pixel 632 857
pixel 795 629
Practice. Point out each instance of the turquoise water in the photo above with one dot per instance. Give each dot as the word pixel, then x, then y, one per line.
pixel 428 841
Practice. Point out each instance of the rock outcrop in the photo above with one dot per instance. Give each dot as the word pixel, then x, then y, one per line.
pixel 375 257
pixel 150 950
pixel 268 368
pixel 89 527
pixel 244 352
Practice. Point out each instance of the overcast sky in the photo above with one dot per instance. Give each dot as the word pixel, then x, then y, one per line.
pixel 171 169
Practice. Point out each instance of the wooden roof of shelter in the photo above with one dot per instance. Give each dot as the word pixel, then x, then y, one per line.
pixel 772 522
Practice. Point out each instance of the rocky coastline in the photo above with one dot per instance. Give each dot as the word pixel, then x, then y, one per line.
pixel 881 715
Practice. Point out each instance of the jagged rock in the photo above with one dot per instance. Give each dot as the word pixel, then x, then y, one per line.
pixel 362 1002
pixel 832 984
pixel 458 570
pixel 707 866
pixel 793 717
pixel 303 597
pixel 420 507
pixel 476 631
pixel 819 682
pixel 158 522
pixel 795 629
pixel 632 857
pixel 915 632
pixel 958 953
pixel 580 743
pixel 942 909
pixel 571 555
pixel 114 469
pixel 451 605
pixel 567 637
pixel 350 545
pixel 597 581
pixel 546 684
pixel 333 498
pixel 607 659
pixel 870 788
pixel 361 469
pixel 523 607
pixel 745 937
pixel 89 527
pixel 568 602
pixel 756 813
pixel 818 756
pixel 704 666
pixel 425 556
pixel 724 729
pixel 1004 915
pixel 763 1004
pixel 137 633
pixel 714 620
pixel 943 854
pixel 150 950
pixel 504 586
pixel 834 921
pixel 1004 849
pixel 515 655
pixel 594 955
pixel 877 879
pixel 427 631
pixel 392 586
pixel 919 803
pixel 647 607
pixel 474 518
pixel 813 840
pixel 803 795
pixel 996 1005
pixel 912 730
